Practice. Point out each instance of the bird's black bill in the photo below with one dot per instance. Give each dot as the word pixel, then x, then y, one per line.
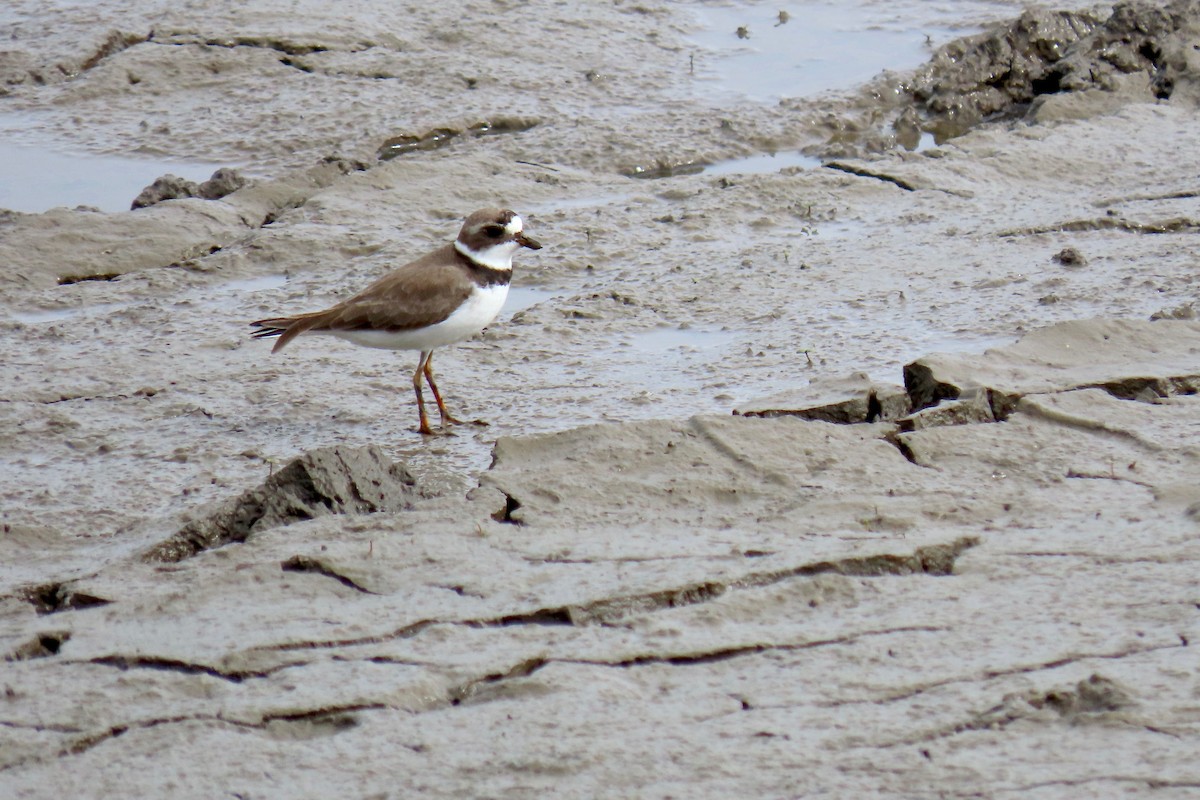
pixel 528 241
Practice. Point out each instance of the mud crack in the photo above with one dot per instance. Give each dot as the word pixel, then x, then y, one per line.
pixel 187 668
pixel 936 560
pixel 1146 198
pixel 328 480
pixel 1091 698
pixel 1020 669
pixel 54 598
pixel 863 172
pixel 726 653
pixel 437 138
pixel 990 404
pixel 42 645
pixel 474 688
pixel 115 42
pixel 308 564
pixel 1149 783
pixel 67 280
pixel 489 687
pixel 1172 225
pixel 336 718
pixel 286 47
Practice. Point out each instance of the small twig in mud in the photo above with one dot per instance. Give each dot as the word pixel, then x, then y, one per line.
pixel 536 164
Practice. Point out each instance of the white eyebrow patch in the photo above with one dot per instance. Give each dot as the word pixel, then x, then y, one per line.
pixel 514 226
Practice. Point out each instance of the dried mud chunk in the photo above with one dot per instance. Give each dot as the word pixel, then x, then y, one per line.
pixel 976 77
pixel 998 74
pixel 168 187
pixel 171 187
pixel 329 480
pixel 972 407
pixel 845 401
pixel 224 181
pixel 1126 358
pixel 42 645
pixel 1069 257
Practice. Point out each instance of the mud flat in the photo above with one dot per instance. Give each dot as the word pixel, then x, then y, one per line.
pixel 945 545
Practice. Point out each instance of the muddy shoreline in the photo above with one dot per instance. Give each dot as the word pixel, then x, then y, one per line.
pixel 868 471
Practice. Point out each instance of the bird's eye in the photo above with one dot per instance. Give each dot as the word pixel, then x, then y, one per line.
pixel 493 231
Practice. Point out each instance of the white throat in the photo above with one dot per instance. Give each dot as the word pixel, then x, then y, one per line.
pixel 496 256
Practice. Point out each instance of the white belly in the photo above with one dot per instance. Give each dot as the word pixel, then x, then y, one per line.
pixel 480 308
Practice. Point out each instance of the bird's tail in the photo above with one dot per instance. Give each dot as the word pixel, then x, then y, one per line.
pixel 286 328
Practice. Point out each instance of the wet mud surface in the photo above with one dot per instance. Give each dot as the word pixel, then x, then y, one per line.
pixel 832 447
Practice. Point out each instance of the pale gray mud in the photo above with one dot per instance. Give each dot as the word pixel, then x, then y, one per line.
pixel 224 572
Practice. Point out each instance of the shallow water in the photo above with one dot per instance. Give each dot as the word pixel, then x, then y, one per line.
pixel 258 284
pixel 521 298
pixel 38 178
pixel 59 314
pixel 765 163
pixel 766 53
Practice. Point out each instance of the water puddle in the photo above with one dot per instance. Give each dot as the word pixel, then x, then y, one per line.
pixel 762 164
pixel 573 204
pixel 766 54
pixel 38 178
pixel 961 342
pixel 668 359
pixel 203 293
pixel 259 284
pixel 930 341
pixel 521 298
pixel 750 165
pixel 59 314
pixel 643 172
pixel 682 342
pixel 835 229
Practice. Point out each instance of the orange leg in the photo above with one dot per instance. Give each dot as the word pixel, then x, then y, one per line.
pixel 436 394
pixel 421 368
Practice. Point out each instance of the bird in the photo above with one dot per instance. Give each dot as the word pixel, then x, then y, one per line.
pixel 447 295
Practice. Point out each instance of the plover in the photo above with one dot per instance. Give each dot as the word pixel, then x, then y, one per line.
pixel 443 297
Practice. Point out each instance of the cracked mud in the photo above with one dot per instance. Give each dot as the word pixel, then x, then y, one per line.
pixel 944 545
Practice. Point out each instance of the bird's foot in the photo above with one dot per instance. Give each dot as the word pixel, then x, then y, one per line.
pixel 450 420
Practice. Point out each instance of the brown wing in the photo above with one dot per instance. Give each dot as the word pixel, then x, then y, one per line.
pixel 421 293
